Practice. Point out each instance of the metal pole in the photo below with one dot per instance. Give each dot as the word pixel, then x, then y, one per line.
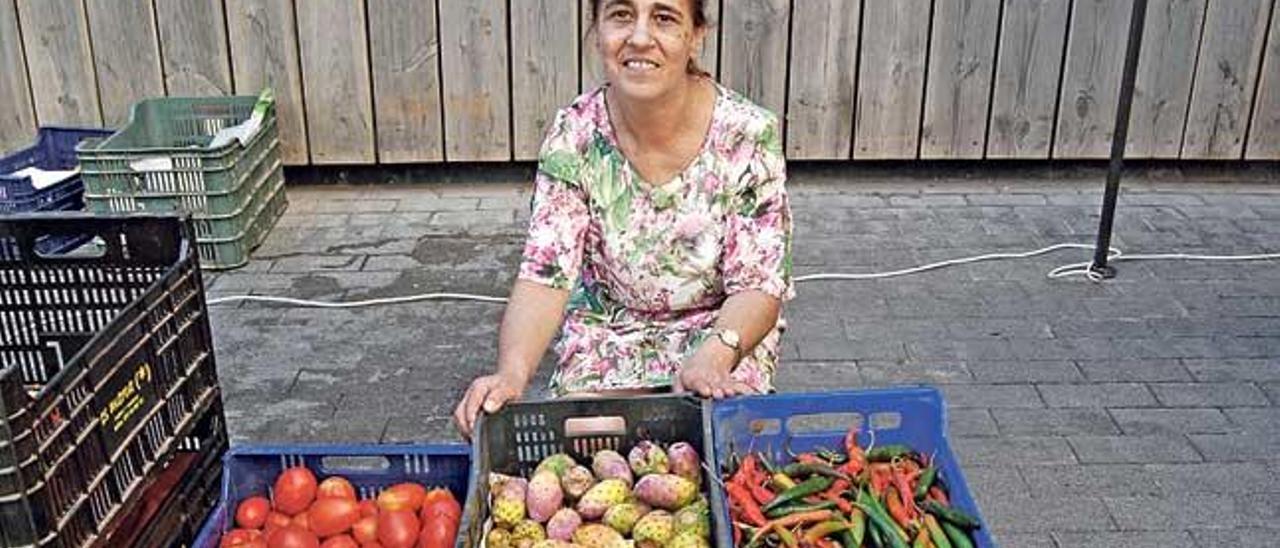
pixel 1118 138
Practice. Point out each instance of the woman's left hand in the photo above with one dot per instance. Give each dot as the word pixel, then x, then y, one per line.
pixel 702 375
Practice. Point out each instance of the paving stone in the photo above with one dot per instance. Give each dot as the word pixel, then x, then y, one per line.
pixel 1008 451
pixel 313 263
pixel 1221 370
pixel 911 371
pixel 1054 422
pixel 1073 327
pixel 927 200
pixel 1259 420
pixel 1209 394
pixel 991 395
pixel 1141 422
pixel 430 202
pixel 1112 480
pixel 1065 513
pixel 1175 512
pixel 1259 537
pixel 971 423
pixel 1236 447
pixel 1012 539
pixel 1096 395
pixel 809 375
pixel 1215 477
pixel 1123 370
pixel 986 199
pixel 1124 539
pixel 1025 371
pixel 1133 449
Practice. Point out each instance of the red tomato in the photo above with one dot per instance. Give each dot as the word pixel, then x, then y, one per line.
pixel 374 544
pixel 292 537
pixel 276 520
pixel 303 520
pixel 242 538
pixel 440 502
pixel 252 512
pixel 336 487
pixel 365 530
pixel 333 516
pixel 402 496
pixel 368 508
pixel 294 490
pixel 340 541
pixel 441 532
pixel 398 528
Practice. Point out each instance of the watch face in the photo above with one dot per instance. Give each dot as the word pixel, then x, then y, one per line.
pixel 730 337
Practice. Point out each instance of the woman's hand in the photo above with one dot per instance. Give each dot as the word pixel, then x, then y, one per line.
pixel 707 373
pixel 489 392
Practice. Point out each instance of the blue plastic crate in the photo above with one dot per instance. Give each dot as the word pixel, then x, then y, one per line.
pixel 913 416
pixel 54 150
pixel 252 470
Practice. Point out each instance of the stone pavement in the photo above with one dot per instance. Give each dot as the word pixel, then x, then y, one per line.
pixel 1143 411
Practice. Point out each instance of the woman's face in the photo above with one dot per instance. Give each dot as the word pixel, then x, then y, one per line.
pixel 646 45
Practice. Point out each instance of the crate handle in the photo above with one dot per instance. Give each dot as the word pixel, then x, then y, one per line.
pixel 578 427
pixel 358 464
pixel 814 423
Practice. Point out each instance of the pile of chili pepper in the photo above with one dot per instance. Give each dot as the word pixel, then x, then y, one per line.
pixel 884 496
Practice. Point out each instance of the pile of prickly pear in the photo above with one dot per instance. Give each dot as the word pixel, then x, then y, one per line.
pixel 649 498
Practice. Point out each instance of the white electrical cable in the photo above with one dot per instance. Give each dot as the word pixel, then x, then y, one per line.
pixel 1074 269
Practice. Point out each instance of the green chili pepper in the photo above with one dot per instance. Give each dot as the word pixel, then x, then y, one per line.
pixel 953 515
pixel 788 539
pixel 812 468
pixel 816 484
pixel 885 453
pixel 789 509
pixel 873 533
pixel 935 532
pixel 958 537
pixel 889 530
pixel 926 480
pixel 858 527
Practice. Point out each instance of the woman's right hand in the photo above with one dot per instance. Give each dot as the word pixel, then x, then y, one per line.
pixel 489 392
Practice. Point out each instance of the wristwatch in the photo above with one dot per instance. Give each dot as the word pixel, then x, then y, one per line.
pixel 731 339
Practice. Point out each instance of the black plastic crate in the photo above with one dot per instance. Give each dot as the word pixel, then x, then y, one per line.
pixel 107 371
pixel 514 440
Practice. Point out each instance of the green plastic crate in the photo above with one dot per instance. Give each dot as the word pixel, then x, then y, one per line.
pixel 161 161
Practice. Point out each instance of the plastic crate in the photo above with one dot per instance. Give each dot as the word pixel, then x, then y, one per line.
pixel 54 150
pixel 108 372
pixel 514 440
pixel 252 470
pixel 162 162
pixel 913 416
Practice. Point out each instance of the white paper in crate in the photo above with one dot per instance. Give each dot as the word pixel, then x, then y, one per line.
pixel 44 178
pixel 245 131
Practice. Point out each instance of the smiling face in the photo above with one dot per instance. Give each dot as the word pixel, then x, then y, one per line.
pixel 647 45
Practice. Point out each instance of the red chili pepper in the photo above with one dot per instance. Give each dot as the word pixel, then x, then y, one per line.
pixel 937 494
pixel 899 513
pixel 750 510
pixel 902 482
pixel 810 458
pixel 857 457
pixel 881 477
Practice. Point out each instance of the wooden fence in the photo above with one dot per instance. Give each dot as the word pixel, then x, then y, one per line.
pixel 395 81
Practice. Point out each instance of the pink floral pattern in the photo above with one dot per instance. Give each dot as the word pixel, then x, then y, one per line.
pixel 649 266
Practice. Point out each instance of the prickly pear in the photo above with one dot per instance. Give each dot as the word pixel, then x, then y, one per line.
pixel 509 504
pixel 558 463
pixel 544 496
pixel 622 517
pixel 647 458
pixel 528 530
pixel 685 462
pixel 599 498
pixel 608 463
pixel 688 539
pixel 577 481
pixel 595 535
pixel 562 525
pixel 695 517
pixel 666 491
pixel 653 530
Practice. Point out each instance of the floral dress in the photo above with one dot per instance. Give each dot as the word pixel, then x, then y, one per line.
pixel 648 267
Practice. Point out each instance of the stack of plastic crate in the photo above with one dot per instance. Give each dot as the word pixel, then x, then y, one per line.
pixel 217 158
pixel 43 177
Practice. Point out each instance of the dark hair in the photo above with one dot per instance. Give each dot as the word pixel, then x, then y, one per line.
pixel 700 20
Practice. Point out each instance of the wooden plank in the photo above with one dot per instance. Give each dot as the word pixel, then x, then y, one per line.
pixel 962 57
pixel 592 73
pixel 264 53
pixel 126 54
pixel 17 114
pixel 1221 98
pixel 59 62
pixel 193 46
pixel 891 79
pixel 820 95
pixel 1090 88
pixel 473 49
pixel 544 68
pixel 753 60
pixel 335 82
pixel 405 49
pixel 1170 39
pixel 1032 36
pixel 1264 130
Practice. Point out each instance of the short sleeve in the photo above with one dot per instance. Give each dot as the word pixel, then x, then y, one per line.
pixel 757 247
pixel 553 251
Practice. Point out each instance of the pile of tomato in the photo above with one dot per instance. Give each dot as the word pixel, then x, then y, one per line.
pixel 305 513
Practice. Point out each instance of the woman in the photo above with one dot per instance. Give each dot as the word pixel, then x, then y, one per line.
pixel 660 234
